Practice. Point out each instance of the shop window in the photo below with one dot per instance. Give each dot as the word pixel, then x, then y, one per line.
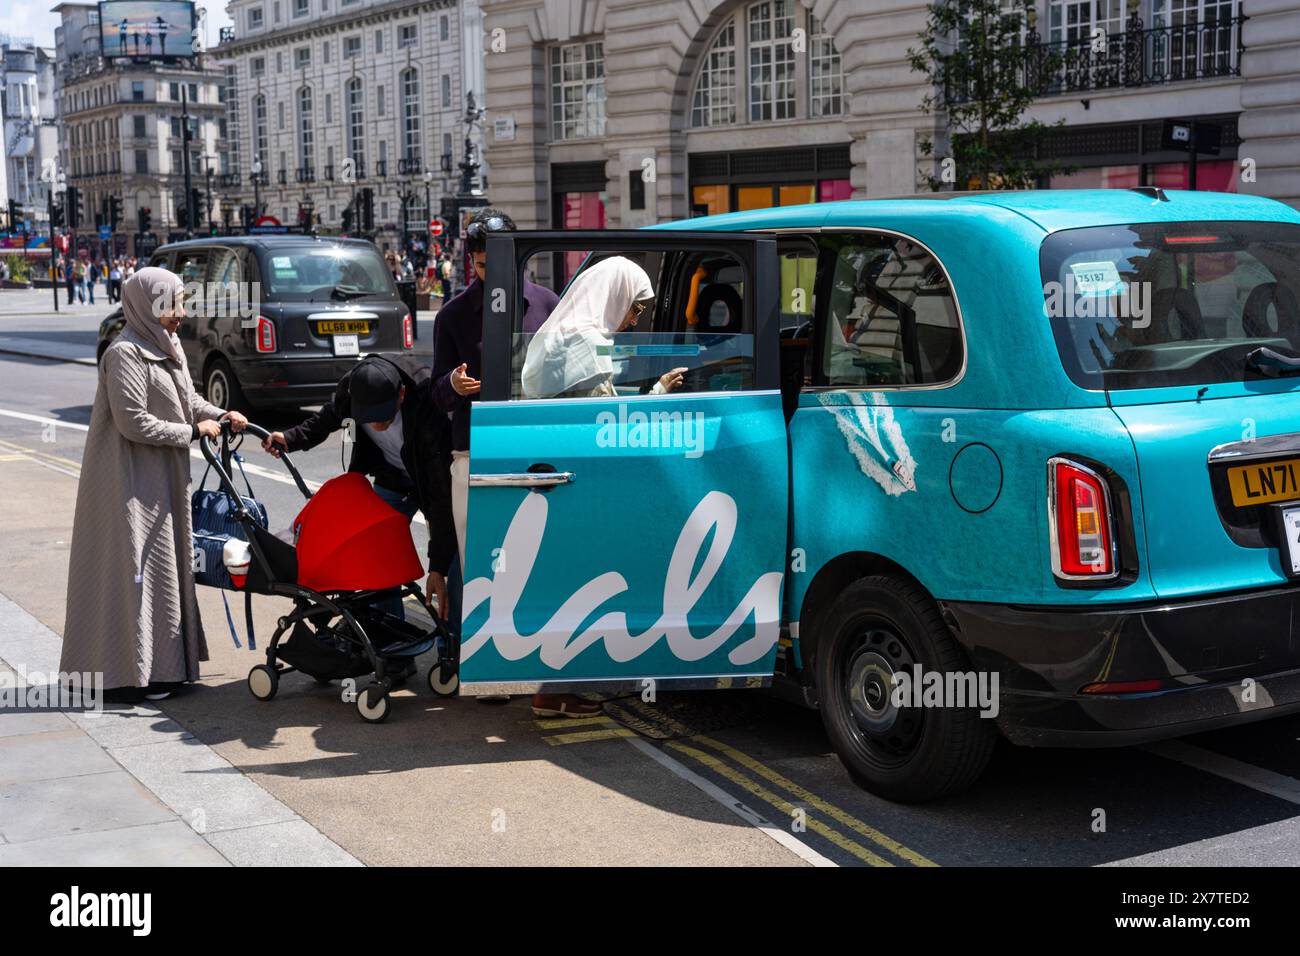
pixel 710 200
pixel 765 197
pixel 834 190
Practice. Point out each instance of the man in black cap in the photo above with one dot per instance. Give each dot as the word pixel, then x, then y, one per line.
pixel 402 441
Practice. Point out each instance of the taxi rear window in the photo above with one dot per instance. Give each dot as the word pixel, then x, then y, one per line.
pixel 1159 304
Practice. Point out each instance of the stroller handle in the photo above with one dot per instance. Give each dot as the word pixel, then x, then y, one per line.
pixel 220 463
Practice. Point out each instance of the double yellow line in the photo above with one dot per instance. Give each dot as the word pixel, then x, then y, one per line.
pixel 843 829
pixel 64 466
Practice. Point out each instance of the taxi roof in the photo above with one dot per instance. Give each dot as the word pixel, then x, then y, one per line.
pixel 1048 209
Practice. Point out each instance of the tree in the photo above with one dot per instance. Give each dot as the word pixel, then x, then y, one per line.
pixel 985 65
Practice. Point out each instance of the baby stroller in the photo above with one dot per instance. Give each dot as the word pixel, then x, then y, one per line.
pixel 347 554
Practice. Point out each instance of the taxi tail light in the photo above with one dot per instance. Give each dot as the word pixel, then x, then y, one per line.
pixel 408 332
pixel 1082 522
pixel 264 337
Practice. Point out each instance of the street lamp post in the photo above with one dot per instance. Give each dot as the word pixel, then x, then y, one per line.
pixel 406 195
pixel 57 184
pixel 212 231
pixel 257 192
pixel 185 164
pixel 428 208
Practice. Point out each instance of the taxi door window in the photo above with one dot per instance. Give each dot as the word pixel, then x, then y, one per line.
pixel 798 258
pixel 694 331
pixel 890 315
pixel 192 266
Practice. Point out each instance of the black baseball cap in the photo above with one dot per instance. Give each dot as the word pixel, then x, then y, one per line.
pixel 373 388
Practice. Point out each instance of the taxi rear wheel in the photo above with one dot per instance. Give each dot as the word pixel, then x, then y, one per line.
pixel 221 387
pixel 878 627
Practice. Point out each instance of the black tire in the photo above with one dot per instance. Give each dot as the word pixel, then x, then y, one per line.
pixel 221 387
pixel 877 626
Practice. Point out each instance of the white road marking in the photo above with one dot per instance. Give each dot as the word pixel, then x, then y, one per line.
pixel 1248 775
pixel 750 816
pixel 252 469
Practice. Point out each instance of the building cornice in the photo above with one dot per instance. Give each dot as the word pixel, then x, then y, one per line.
pixel 338 23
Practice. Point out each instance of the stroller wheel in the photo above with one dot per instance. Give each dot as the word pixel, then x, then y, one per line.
pixel 263 682
pixel 443 688
pixel 372 703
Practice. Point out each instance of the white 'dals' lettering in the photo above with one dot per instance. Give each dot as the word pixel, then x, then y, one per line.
pixel 559 642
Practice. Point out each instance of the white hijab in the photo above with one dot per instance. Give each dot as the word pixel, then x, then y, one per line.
pixel 564 352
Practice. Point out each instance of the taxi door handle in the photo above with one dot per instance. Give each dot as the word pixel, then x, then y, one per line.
pixel 522 479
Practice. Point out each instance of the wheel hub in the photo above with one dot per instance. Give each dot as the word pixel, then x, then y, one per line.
pixel 871 682
pixel 869 678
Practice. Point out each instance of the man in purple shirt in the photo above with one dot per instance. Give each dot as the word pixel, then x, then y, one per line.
pixel 457 364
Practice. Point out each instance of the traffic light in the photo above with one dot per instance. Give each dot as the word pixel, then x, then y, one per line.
pixel 347 218
pixel 74 207
pixel 56 215
pixel 182 215
pixel 146 218
pixel 114 211
pixel 197 198
pixel 14 215
pixel 367 197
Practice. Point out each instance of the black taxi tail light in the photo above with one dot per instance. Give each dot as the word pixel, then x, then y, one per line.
pixel 264 338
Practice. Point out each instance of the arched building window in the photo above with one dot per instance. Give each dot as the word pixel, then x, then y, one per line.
pixel 714 102
pixel 757 39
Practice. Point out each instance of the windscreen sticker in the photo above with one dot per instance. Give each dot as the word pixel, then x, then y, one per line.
pixel 619 352
pixel 1096 278
pixel 874 438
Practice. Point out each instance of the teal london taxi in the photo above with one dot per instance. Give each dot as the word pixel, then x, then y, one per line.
pixel 1036 453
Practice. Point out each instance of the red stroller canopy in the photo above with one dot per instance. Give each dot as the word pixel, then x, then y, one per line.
pixel 349 539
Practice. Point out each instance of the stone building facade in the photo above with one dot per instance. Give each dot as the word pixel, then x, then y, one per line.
pixel 121 134
pixel 30 127
pixel 741 103
pixel 311 84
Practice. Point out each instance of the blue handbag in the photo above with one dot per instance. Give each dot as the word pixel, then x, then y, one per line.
pixel 213 523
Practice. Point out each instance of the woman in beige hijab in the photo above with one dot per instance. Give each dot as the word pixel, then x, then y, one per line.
pixel 131 612
pixel 569 356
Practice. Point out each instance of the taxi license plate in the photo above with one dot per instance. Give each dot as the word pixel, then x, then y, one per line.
pixel 1264 482
pixel 343 327
pixel 1289 535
